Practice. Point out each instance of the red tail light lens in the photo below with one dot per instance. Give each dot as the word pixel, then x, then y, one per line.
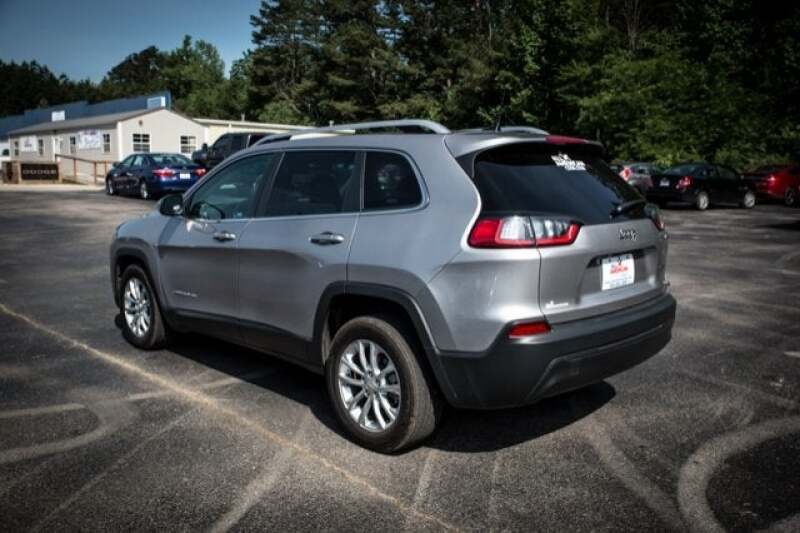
pixel 654 213
pixel 522 232
pixel 625 173
pixel 771 179
pixel 200 172
pixel 529 329
pixel 164 173
pixel 684 183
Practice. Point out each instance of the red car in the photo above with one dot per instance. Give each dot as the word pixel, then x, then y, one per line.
pixel 778 182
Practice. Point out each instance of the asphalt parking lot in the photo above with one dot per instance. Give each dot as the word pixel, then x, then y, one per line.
pixel 97 435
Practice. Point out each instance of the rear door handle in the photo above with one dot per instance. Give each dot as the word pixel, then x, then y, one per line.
pixel 327 237
pixel 223 236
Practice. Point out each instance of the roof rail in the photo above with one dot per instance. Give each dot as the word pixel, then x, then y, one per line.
pixel 351 129
pixel 507 129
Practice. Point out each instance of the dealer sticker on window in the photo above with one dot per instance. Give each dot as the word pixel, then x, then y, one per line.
pixel 566 162
pixel 618 271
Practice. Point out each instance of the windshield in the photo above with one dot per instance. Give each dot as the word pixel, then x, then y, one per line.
pixel 168 160
pixel 681 170
pixel 542 178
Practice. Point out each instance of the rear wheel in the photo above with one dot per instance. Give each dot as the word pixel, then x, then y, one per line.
pixel 380 393
pixel 142 323
pixel 748 200
pixel 144 191
pixel 790 197
pixel 110 187
pixel 702 201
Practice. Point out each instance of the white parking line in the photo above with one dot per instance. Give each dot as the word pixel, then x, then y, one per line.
pixel 212 404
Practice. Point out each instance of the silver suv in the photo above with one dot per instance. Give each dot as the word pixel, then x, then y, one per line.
pixel 413 266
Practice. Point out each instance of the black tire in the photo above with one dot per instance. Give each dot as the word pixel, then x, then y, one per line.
pixel 702 201
pixel 420 408
pixel 144 191
pixel 110 190
pixel 156 335
pixel 748 200
pixel 790 197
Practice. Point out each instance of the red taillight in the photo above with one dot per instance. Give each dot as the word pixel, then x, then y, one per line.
pixel 625 173
pixel 200 172
pixel 164 173
pixel 771 179
pixel 529 329
pixel 522 232
pixel 684 183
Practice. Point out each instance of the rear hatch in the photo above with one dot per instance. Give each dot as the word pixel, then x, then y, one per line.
pixel 617 258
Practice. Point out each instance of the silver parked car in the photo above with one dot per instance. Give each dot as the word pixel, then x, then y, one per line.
pixel 639 175
pixel 481 269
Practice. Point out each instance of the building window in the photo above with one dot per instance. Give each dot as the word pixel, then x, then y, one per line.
pixel 41 146
pixel 141 142
pixel 188 144
pixel 106 143
pixel 72 145
pixel 16 148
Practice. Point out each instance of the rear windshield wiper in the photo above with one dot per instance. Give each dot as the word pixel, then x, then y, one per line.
pixel 626 206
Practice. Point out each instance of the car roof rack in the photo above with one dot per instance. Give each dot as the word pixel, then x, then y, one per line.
pixel 507 129
pixel 351 129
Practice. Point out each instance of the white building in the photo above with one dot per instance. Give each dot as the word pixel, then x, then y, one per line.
pixel 215 128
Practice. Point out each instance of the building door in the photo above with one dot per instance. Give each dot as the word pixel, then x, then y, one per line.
pixel 57 146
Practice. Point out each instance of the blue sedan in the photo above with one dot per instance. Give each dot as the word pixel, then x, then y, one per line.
pixel 152 175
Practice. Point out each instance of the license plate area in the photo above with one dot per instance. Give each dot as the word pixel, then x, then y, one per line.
pixel 617 271
pixel 664 183
pixel 185 175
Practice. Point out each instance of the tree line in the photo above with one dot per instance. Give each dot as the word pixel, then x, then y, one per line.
pixel 652 79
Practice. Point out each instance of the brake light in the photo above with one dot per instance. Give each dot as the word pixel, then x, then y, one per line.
pixel 200 172
pixel 771 179
pixel 522 232
pixel 625 173
pixel 684 183
pixel 529 329
pixel 654 214
pixel 164 173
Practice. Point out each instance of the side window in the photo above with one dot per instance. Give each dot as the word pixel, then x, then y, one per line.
pixel 312 183
pixel 138 161
pixel 726 173
pixel 231 193
pixel 389 182
pixel 237 142
pixel 127 161
pixel 223 143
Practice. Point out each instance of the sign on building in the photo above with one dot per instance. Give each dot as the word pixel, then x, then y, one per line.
pixel 57 116
pixel 90 140
pixel 28 143
pixel 156 102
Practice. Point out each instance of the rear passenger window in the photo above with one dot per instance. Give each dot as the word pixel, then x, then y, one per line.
pixel 389 182
pixel 312 183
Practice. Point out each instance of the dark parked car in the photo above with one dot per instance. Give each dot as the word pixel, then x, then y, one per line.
pixel 777 182
pixel 701 184
pixel 226 145
pixel 152 175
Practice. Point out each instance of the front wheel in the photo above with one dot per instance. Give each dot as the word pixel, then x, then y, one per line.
pixel 380 392
pixel 142 324
pixel 790 197
pixel 144 191
pixel 110 187
pixel 702 201
pixel 748 200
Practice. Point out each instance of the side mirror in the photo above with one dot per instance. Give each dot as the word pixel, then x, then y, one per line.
pixel 205 147
pixel 171 205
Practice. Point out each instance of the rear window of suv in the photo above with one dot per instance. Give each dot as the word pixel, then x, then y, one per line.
pixel 542 178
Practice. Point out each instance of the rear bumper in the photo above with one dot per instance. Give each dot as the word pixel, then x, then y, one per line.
pixel 571 356
pixel 173 186
pixel 670 195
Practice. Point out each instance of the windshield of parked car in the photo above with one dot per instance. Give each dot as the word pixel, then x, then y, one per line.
pixel 681 170
pixel 168 160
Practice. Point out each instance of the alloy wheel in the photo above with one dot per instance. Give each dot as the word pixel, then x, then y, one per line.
pixel 143 192
pixel 369 385
pixel 790 198
pixel 137 304
pixel 749 199
pixel 110 187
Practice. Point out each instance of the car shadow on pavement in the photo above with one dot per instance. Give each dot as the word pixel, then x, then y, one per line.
pixel 460 430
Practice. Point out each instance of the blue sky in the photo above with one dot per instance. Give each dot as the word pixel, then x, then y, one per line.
pixel 85 38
